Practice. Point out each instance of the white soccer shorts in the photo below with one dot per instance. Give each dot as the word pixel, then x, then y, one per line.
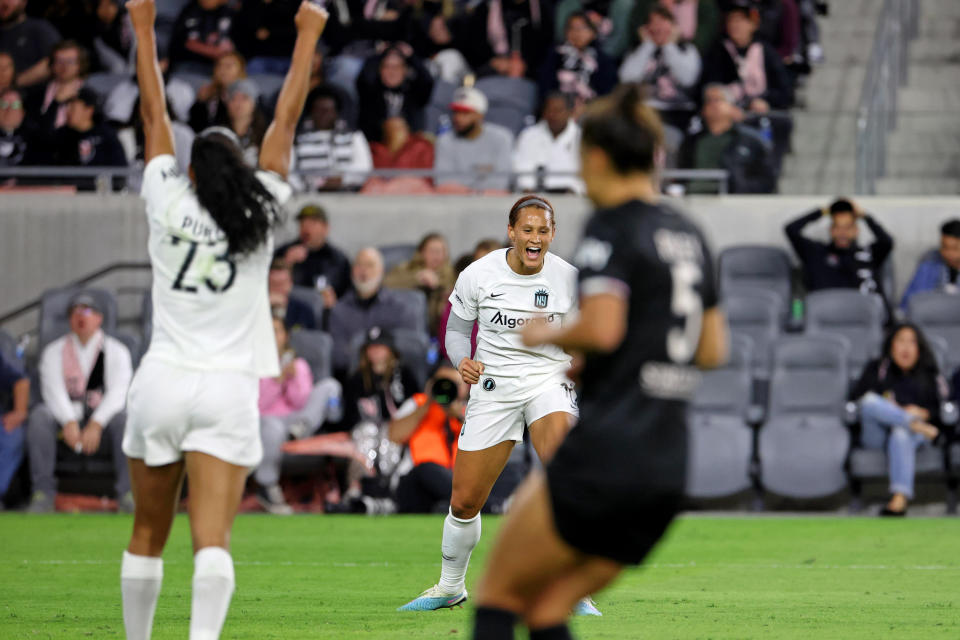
pixel 171 410
pixel 489 423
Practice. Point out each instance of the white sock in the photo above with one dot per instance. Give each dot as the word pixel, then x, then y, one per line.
pixel 459 539
pixel 212 589
pixel 140 580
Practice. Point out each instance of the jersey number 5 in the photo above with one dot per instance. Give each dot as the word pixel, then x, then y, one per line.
pixel 685 303
pixel 178 284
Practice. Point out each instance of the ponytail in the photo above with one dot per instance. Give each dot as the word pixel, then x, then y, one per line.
pixel 626 128
pixel 231 192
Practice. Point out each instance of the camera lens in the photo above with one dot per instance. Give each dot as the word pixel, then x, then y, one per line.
pixel 444 391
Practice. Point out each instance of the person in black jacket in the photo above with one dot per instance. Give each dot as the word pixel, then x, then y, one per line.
pixel 86 141
pixel 723 143
pixel 900 396
pixel 392 83
pixel 842 263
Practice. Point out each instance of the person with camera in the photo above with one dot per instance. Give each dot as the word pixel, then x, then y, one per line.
pixel 429 424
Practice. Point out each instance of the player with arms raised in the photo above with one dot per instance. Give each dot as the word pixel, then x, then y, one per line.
pixel 648 318
pixel 513 385
pixel 192 406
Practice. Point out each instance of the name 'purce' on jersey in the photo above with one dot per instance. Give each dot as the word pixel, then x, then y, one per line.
pixel 503 302
pixel 211 311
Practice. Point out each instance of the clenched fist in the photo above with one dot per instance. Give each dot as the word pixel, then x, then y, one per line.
pixel 311 18
pixel 143 13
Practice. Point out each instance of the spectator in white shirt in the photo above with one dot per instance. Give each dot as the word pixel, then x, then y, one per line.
pixel 338 156
pixel 547 157
pixel 84 377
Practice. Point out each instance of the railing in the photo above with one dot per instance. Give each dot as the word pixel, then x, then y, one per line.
pixel 886 73
pixel 105 179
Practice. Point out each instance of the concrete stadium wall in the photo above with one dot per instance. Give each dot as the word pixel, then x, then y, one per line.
pixel 49 240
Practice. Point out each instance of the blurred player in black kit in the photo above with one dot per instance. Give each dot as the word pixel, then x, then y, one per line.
pixel 649 317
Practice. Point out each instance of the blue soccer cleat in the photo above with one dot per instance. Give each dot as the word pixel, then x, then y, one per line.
pixel 434 598
pixel 586 607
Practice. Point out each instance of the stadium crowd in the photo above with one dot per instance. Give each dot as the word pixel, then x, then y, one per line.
pixel 453 86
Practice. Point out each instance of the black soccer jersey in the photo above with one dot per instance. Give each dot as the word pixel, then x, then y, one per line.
pixel 658 260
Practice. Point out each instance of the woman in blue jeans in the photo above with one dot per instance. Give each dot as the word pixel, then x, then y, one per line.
pixel 900 396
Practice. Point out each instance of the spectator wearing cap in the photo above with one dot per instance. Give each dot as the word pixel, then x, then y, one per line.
pixel 429 424
pixel 19 138
pixel 202 33
pixel 547 157
pixel 842 263
pixel 28 40
pixel 718 141
pixel 750 68
pixel 210 108
pixel 292 404
pixel 48 104
pixel 14 402
pixel 392 83
pixel 315 262
pixel 295 313
pixel 939 270
pixel 266 32
pixel 429 271
pixel 330 155
pixel 245 118
pixel 84 377
pixel 8 72
pixel 85 140
pixel 578 66
pixel 368 305
pixel 381 383
pixel 475 155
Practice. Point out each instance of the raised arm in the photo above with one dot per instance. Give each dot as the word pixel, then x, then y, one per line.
pixel 157 130
pixel 275 150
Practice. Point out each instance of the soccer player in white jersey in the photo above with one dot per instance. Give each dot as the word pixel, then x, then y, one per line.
pixel 513 385
pixel 192 406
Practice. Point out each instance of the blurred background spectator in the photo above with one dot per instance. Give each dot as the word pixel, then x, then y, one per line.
pixel 204 31
pixel 245 118
pixel 610 18
pixel 900 397
pixel 28 40
pixel 505 37
pixel 14 403
pixel 210 107
pixel 938 270
pixel 48 104
pixel 843 263
pixel 577 66
pixel 429 271
pixel 131 137
pixel 722 143
pixel 434 44
pixel 548 153
pixel 291 405
pixel 477 153
pixel 265 32
pixel 86 140
pixel 400 149
pixel 698 21
pixel 8 72
pixel 295 313
pixel 316 263
pixel 113 40
pixel 330 154
pixel 84 378
pixel 19 138
pixel 392 83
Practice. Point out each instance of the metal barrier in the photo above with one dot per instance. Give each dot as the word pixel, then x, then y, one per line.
pixel 886 73
pixel 103 178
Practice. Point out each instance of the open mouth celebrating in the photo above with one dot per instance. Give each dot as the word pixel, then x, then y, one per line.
pixel 533 253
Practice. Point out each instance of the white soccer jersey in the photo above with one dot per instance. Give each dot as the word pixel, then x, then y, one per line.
pixel 210 311
pixel 503 302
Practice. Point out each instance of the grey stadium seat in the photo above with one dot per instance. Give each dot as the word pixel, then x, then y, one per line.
pixel 439 105
pixel 313 299
pixel 721 441
pixel 755 313
pixel 394 254
pixel 520 94
pixel 53 312
pixel 766 267
pixel 416 301
pixel 856 316
pixel 8 348
pixel 940 349
pixel 316 347
pixel 804 443
pixel 938 314
pixel 104 83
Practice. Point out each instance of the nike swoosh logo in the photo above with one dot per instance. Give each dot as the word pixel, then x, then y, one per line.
pixel 495 295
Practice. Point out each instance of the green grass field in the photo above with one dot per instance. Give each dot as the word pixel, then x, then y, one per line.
pixel 342 577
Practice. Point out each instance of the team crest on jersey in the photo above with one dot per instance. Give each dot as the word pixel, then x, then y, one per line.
pixel 540 299
pixel 489 384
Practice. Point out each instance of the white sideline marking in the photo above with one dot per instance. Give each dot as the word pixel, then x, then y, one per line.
pixel 653 565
